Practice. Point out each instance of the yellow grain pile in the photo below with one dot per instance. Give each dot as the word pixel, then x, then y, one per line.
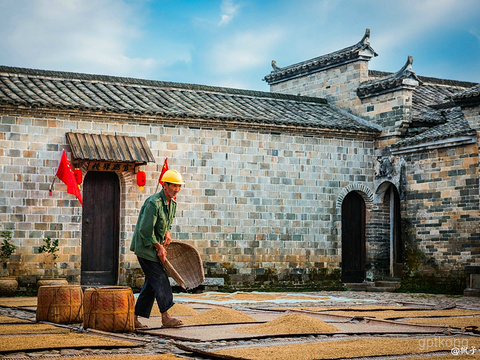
pixel 290 324
pixel 218 315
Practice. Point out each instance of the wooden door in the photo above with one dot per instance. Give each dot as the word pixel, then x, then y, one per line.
pixel 353 238
pixel 100 228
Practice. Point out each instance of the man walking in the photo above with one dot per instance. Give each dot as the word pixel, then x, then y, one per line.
pixel 151 234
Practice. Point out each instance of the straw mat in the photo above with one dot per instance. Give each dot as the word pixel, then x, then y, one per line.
pixel 12 320
pixel 184 265
pixel 10 343
pixel 350 348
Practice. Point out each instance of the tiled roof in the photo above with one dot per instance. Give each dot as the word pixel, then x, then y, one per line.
pixel 405 77
pixel 430 93
pixel 63 90
pixel 453 128
pixel 470 96
pixel 361 50
pixel 113 148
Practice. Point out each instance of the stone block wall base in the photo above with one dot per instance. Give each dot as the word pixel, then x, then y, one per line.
pixel 471 292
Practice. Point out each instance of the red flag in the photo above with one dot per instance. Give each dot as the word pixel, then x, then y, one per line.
pixel 65 173
pixel 165 168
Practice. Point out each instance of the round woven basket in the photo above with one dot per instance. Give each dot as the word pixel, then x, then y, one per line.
pixel 184 265
pixel 109 309
pixel 61 304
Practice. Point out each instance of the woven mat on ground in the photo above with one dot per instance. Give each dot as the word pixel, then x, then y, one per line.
pixel 333 349
pixel 220 332
pixel 18 301
pixel 12 320
pixel 32 329
pixel 11 343
pixel 406 314
pixel 457 322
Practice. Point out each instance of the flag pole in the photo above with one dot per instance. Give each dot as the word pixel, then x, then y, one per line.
pixel 51 186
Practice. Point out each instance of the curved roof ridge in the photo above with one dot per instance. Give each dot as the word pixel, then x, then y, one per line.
pixel 405 77
pixel 361 49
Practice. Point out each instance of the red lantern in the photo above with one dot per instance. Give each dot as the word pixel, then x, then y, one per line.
pixel 141 180
pixel 78 176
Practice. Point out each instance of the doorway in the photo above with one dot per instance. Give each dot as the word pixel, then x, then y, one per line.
pixel 100 228
pixel 353 238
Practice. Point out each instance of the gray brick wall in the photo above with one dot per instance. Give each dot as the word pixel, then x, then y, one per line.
pixel 253 202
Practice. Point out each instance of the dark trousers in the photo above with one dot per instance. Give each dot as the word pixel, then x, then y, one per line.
pixel 156 287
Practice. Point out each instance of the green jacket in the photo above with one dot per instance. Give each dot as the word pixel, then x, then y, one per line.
pixel 154 220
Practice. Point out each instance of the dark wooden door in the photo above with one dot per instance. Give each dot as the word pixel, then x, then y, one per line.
pixel 100 228
pixel 353 238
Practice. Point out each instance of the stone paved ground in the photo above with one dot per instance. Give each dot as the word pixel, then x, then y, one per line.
pixel 158 345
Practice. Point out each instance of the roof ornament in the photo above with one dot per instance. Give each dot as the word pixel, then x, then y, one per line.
pixel 366 38
pixel 275 67
pixel 408 64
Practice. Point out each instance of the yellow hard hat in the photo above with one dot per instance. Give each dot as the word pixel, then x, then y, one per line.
pixel 173 177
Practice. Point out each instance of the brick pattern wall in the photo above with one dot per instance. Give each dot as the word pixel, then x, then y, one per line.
pixel 338 85
pixel 252 203
pixel 443 204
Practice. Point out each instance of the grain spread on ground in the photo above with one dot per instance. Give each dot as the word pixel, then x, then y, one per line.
pixel 19 301
pixel 131 357
pixel 242 296
pixel 32 329
pixel 290 324
pixel 11 320
pixel 355 308
pixel 57 341
pixel 218 315
pixel 407 314
pixel 458 322
pixel 351 348
pixel 175 310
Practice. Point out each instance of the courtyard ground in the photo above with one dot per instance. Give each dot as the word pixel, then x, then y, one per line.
pixel 255 325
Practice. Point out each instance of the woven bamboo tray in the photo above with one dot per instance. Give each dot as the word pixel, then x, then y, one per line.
pixel 184 265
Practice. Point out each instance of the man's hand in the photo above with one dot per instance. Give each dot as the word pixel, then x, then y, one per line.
pixel 161 252
pixel 167 239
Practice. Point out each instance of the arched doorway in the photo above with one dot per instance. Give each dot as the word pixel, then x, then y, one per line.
pixel 100 228
pixel 353 238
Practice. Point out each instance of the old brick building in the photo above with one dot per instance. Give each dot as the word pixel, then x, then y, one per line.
pixel 315 177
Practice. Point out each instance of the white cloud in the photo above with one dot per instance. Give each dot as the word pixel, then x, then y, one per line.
pixel 244 51
pixel 228 11
pixel 75 35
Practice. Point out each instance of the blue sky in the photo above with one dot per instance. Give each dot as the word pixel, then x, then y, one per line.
pixel 231 42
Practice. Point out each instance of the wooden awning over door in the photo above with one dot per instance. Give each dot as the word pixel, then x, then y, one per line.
pixel 109 148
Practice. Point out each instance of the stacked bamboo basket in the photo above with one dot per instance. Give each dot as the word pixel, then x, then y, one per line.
pixel 112 308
